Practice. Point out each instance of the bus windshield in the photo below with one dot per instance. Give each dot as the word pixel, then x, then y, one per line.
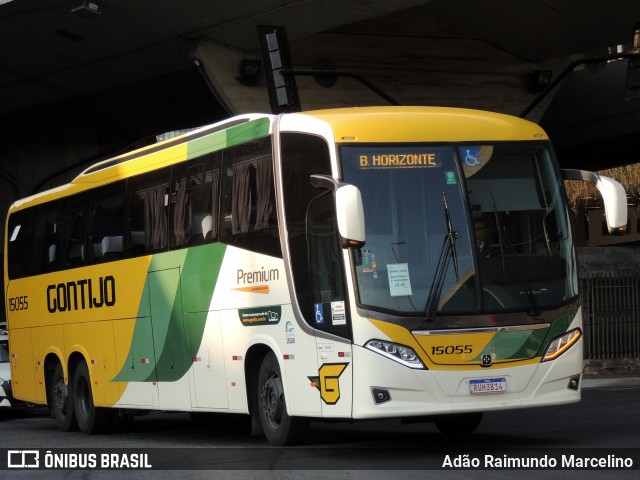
pixel 461 229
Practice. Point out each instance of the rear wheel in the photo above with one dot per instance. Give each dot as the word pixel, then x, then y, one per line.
pixel 279 427
pixel 89 418
pixel 61 401
pixel 459 424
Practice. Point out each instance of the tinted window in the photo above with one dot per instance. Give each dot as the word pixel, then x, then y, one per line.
pixel 195 188
pixel 148 212
pixel 250 219
pixel 20 249
pixel 72 232
pixel 45 232
pixel 106 223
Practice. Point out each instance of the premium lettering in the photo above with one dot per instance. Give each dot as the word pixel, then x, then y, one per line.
pixel 261 275
pixel 82 294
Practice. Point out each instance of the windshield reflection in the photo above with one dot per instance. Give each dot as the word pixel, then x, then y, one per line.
pixel 513 245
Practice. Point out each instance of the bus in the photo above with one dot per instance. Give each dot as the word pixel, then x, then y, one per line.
pixel 321 266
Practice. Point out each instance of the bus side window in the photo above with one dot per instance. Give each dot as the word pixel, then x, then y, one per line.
pixel 325 258
pixel 147 213
pixel 45 233
pixel 71 242
pixel 250 219
pixel 316 258
pixel 20 249
pixel 106 223
pixel 194 201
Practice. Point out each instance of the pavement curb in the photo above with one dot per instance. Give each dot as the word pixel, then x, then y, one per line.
pixel 610 381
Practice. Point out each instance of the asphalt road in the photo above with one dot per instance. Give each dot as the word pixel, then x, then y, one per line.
pixel 606 422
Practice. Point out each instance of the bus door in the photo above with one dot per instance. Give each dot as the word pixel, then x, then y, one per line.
pixel 170 341
pixel 209 376
pixel 155 372
pixel 330 315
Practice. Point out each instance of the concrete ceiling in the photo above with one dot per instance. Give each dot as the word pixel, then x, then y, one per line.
pixel 48 53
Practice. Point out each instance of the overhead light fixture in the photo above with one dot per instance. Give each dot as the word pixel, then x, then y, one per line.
pixel 88 8
pixel 249 70
pixel 539 80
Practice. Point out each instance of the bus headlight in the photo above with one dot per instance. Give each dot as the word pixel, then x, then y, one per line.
pixel 561 344
pixel 400 353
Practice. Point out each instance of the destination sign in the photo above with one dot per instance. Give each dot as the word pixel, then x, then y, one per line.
pixel 398 160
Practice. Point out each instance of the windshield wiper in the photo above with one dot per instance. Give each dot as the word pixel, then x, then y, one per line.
pixel 505 246
pixel 447 253
pixel 499 228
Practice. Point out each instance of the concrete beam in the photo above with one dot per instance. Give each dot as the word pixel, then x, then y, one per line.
pixel 220 66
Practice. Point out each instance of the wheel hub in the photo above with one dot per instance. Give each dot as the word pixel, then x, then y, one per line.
pixel 272 399
pixel 61 397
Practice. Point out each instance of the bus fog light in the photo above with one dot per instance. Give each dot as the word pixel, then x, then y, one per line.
pixel 574 383
pixel 380 395
pixel 561 344
pixel 400 353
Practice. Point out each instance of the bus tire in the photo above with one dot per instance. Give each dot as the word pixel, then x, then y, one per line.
pixel 91 420
pixel 62 401
pixel 279 427
pixel 459 424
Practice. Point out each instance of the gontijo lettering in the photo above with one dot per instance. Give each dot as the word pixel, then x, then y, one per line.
pixel 81 294
pixel 398 160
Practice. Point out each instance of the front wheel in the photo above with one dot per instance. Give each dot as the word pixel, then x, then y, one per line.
pixel 279 427
pixel 459 424
pixel 61 401
pixel 89 418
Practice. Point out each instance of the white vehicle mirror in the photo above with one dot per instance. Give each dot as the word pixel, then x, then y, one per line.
pixel 349 210
pixel 613 194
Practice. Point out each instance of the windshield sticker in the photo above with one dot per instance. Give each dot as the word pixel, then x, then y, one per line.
pixel 369 261
pixel 399 283
pixel 338 316
pixel 471 156
pixel 450 178
pixel 474 158
pixel 319 313
pixel 399 160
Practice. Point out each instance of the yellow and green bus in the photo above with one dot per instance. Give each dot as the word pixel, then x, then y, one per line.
pixel 382 262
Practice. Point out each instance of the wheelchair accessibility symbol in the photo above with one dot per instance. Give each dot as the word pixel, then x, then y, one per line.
pixel 471 159
pixel 319 313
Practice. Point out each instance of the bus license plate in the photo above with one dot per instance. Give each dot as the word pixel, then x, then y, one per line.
pixel 488 385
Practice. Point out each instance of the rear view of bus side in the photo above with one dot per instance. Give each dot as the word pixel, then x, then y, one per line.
pixel 342 264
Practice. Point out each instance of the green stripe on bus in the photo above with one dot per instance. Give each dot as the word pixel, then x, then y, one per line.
pixel 228 138
pixel 517 345
pixel 170 337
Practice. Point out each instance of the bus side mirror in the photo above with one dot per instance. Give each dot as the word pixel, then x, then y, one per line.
pixel 350 213
pixel 349 210
pixel 613 194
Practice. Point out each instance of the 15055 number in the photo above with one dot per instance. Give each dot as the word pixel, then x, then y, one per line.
pixel 451 349
pixel 18 303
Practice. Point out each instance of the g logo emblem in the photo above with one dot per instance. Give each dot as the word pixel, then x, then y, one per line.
pixel 328 381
